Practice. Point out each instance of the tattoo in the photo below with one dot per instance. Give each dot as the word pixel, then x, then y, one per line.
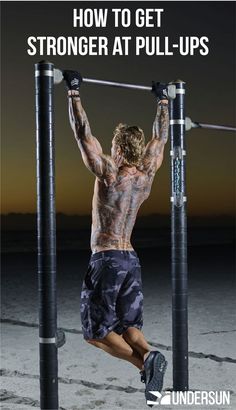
pixel 115 209
pixel 153 156
pixel 78 118
pixel 118 192
pixel 99 164
pixel 161 123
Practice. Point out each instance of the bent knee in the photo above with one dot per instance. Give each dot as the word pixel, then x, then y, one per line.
pixel 91 341
pixel 132 334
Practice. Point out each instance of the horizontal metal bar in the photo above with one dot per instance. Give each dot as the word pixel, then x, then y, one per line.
pixel 116 84
pixel 58 77
pixel 213 126
pixel 194 124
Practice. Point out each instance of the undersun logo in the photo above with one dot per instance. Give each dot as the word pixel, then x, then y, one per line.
pixel 161 399
pixel 188 398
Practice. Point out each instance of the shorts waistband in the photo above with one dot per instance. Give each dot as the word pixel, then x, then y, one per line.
pixel 112 253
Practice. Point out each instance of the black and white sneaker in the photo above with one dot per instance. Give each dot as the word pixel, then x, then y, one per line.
pixel 153 373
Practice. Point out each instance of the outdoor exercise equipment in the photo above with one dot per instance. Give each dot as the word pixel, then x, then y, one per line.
pixel 50 338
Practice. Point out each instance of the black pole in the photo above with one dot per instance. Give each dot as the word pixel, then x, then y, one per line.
pixel 179 240
pixel 46 225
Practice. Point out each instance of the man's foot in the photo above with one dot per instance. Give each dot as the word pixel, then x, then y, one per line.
pixel 153 373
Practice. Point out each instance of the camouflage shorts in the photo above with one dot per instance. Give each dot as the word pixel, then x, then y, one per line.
pixel 111 296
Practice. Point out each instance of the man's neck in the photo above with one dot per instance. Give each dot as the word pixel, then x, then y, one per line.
pixel 130 169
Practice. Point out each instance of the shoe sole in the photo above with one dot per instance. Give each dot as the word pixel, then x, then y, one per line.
pixel 156 383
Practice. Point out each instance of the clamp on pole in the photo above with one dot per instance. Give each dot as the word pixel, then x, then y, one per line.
pixel 60 338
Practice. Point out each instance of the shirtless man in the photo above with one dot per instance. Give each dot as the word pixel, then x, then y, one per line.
pixel 111 297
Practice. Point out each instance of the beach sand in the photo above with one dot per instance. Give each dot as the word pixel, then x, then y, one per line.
pixel 90 378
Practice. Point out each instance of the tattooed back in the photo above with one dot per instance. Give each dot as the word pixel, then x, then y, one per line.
pixel 115 207
pixel 119 189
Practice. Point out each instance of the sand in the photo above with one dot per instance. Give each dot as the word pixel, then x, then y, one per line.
pixel 90 378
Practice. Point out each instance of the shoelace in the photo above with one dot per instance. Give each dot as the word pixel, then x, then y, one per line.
pixel 143 376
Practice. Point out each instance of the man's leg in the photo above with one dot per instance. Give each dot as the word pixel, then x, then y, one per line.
pixel 135 338
pixel 115 345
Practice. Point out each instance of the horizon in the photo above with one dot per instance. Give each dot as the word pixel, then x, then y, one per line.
pixel 154 214
pixel 27 221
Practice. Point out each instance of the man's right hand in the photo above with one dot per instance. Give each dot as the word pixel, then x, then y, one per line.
pixel 73 79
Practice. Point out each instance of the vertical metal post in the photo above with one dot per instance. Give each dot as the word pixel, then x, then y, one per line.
pixel 46 225
pixel 179 240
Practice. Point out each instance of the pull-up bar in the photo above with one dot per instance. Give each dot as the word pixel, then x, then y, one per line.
pixel 189 124
pixel 58 78
pixel 45 78
pixel 116 84
pixel 172 91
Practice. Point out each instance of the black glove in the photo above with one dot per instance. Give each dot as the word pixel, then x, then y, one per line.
pixel 160 91
pixel 73 79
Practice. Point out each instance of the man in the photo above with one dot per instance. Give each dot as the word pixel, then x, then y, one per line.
pixel 111 297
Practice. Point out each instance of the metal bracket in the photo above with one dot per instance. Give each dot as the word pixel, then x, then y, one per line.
pixel 58 76
pixel 171 91
pixel 60 338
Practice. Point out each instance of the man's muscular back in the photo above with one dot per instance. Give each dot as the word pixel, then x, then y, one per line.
pixel 119 189
pixel 115 208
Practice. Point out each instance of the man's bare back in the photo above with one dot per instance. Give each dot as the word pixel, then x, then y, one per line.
pixel 119 189
pixel 115 208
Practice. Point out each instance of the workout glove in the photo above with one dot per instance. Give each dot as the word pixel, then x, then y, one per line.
pixel 160 91
pixel 73 79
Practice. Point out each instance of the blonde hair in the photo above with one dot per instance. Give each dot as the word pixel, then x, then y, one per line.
pixel 131 140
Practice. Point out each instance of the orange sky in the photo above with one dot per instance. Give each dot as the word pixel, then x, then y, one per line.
pixel 210 97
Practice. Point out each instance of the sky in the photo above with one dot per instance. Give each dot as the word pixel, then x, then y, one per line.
pixel 210 97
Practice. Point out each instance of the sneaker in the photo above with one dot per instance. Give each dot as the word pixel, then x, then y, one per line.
pixel 154 370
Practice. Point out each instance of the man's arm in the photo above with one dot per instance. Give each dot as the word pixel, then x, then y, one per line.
pixel 154 151
pixel 99 164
